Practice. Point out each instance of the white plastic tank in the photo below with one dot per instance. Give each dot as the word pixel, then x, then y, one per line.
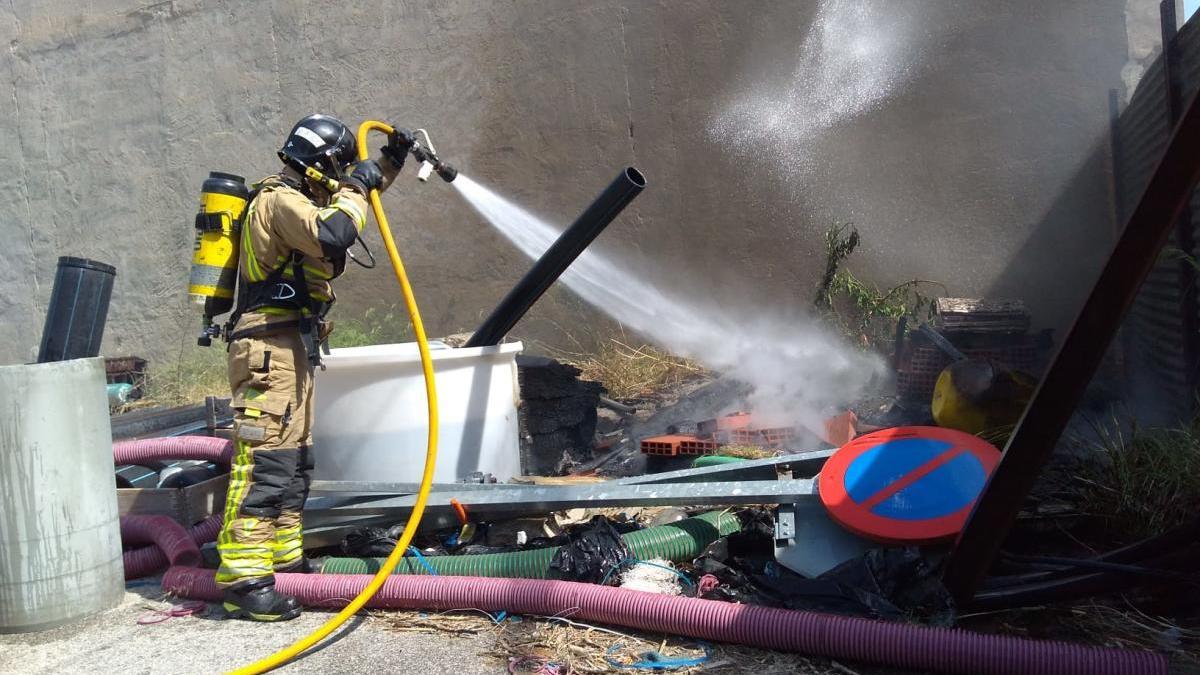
pixel 60 538
pixel 371 416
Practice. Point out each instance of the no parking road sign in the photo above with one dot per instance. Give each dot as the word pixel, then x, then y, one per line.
pixel 908 485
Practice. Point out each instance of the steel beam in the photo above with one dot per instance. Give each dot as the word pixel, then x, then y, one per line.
pixel 544 499
pixel 365 487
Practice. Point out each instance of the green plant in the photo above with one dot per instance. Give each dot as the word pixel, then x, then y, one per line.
pixel 1176 254
pixel 838 246
pixel 1144 481
pixel 860 309
pixel 374 327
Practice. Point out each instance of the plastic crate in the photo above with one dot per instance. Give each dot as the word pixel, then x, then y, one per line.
pixel 918 374
pixel 127 370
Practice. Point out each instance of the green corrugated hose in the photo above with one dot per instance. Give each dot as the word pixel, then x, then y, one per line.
pixel 677 542
pixel 714 460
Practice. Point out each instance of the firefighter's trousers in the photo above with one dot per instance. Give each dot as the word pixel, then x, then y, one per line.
pixel 272 466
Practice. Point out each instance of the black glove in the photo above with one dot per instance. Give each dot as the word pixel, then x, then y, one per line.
pixel 400 142
pixel 366 176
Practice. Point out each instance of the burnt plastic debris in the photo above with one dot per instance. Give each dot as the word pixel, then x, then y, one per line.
pixel 592 550
pixel 372 542
pixel 891 584
pixel 904 577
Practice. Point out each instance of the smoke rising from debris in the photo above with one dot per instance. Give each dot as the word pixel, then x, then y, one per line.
pixel 797 368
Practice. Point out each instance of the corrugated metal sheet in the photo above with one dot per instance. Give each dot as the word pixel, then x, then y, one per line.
pixel 1188 44
pixel 1162 335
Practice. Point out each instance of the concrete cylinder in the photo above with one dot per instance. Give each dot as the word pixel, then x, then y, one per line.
pixel 60 539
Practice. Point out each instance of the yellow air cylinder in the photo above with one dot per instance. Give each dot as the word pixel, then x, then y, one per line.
pixel 215 253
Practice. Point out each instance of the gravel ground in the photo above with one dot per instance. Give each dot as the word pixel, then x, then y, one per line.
pixel 113 642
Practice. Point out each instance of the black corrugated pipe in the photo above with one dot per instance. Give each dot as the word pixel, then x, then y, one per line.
pixel 558 257
pixel 77 311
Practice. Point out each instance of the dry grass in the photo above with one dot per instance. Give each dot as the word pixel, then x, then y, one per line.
pixel 998 436
pixel 747 451
pixel 1143 482
pixel 576 647
pixel 1131 628
pixel 376 326
pixel 1121 625
pixel 632 371
pixel 194 373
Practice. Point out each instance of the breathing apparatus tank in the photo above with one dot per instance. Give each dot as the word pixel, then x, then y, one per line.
pixel 215 253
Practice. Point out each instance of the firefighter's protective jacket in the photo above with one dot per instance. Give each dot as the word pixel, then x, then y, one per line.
pixel 281 220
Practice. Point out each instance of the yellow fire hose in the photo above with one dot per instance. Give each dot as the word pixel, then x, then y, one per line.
pixel 288 653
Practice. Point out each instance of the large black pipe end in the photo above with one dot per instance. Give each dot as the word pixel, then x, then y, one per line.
pixel 635 177
pixel 627 185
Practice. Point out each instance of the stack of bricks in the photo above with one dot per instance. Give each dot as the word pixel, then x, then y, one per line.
pixel 771 437
pixel 736 429
pixel 666 446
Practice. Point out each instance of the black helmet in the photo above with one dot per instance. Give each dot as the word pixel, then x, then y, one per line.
pixel 322 142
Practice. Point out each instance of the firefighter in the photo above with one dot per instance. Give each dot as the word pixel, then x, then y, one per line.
pixel 295 237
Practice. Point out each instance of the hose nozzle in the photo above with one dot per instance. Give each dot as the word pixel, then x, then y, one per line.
pixel 447 172
pixel 427 156
pixel 424 171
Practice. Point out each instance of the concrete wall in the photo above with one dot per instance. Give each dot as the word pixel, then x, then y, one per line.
pixel 986 171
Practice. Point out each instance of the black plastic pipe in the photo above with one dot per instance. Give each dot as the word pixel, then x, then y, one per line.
pixel 558 257
pixel 78 310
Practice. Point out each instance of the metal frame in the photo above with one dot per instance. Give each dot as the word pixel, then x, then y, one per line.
pixel 1172 69
pixel 1055 400
pixel 339 507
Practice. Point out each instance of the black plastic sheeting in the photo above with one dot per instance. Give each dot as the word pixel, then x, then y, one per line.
pixel 591 552
pixel 897 584
pixel 372 542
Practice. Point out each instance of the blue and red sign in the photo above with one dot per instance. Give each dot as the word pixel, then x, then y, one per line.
pixel 907 485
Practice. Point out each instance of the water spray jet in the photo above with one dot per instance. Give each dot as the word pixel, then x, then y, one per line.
pixel 627 185
pixel 798 370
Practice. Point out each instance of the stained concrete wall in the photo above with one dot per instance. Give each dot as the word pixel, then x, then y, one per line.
pixel 987 171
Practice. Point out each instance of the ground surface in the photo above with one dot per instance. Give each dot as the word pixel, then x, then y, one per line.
pixel 114 642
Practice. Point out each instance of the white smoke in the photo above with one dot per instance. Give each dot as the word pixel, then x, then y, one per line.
pixel 798 369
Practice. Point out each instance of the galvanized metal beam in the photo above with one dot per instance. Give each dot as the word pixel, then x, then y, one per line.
pixel 806 464
pixel 395 488
pixel 544 499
